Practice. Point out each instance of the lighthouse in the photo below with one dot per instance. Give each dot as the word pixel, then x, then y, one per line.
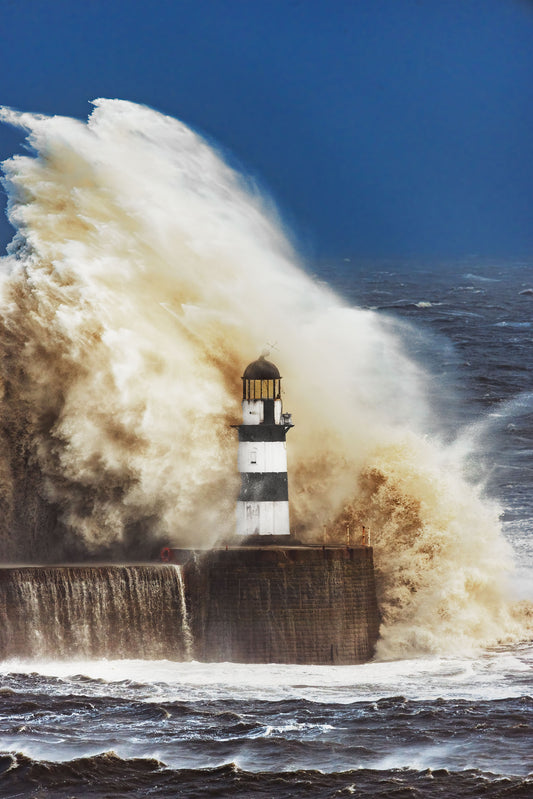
pixel 263 504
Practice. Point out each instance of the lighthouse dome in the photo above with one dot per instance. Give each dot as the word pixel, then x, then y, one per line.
pixel 261 370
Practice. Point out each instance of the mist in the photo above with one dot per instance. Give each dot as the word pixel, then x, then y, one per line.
pixel 145 273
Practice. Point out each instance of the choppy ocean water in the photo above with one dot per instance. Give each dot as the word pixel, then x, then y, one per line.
pixel 432 726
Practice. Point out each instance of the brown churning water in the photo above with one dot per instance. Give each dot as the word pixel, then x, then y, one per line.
pixel 144 273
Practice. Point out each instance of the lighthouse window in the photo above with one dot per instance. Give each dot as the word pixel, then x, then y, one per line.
pixel 253 456
pixel 261 389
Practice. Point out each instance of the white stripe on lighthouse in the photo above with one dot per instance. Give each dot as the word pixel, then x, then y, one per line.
pixel 262 518
pixel 262 456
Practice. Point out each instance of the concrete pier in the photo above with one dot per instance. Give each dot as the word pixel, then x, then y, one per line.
pixel 286 604
pixel 248 604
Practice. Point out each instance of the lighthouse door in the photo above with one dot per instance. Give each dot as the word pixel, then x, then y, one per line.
pixel 268 405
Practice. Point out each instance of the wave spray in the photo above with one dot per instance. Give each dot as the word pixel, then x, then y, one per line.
pixel 144 274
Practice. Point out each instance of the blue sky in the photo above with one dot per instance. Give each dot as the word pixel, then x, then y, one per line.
pixel 381 127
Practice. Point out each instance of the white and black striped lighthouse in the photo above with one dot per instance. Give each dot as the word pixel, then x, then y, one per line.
pixel 263 504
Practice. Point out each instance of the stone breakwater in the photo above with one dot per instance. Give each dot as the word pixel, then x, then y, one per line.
pixel 307 605
pixel 283 605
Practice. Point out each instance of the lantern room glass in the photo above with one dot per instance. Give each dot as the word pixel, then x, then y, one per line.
pixel 261 389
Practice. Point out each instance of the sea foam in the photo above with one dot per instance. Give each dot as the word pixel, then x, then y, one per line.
pixel 144 274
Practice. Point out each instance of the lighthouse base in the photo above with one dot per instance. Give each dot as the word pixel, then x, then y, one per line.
pixel 307 605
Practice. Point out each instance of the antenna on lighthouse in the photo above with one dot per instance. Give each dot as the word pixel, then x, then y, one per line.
pixel 263 504
pixel 268 349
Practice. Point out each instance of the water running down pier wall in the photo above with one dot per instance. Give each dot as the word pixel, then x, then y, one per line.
pixel 90 612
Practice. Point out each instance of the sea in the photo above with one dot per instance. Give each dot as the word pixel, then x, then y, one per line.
pixel 428 725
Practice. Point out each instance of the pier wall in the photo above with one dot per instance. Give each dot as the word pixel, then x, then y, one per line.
pixel 308 605
pixel 248 604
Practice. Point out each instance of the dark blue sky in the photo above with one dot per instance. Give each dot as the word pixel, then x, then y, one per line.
pixel 381 127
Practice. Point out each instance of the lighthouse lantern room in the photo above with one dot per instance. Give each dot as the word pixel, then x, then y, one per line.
pixel 263 504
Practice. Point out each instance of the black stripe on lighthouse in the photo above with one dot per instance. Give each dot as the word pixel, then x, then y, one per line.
pixel 264 487
pixel 262 432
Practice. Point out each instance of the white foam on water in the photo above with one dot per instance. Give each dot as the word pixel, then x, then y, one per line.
pixel 496 675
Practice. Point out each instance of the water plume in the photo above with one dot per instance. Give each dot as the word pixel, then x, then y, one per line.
pixel 144 274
